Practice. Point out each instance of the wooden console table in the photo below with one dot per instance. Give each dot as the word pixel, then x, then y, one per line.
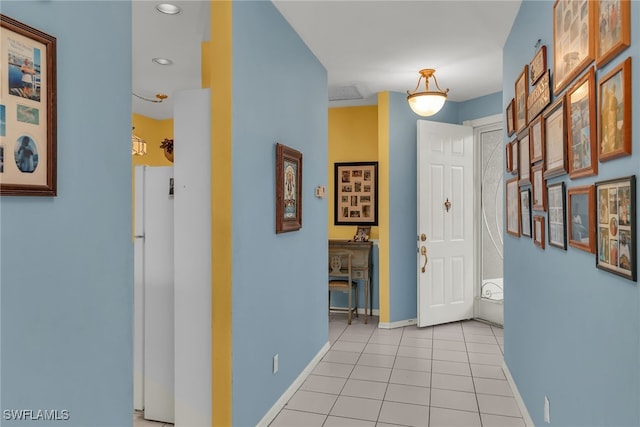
pixel 361 268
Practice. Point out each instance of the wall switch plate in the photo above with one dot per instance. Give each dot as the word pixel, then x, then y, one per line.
pixel 547 415
pixel 275 364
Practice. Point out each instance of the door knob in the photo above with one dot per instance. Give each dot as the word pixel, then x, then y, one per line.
pixel 423 237
pixel 447 204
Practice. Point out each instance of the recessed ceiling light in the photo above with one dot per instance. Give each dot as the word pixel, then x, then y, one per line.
pixel 162 61
pixel 169 9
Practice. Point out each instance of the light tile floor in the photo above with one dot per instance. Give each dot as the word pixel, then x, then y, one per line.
pixel 447 375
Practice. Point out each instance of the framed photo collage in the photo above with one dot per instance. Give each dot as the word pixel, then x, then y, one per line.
pixel 564 123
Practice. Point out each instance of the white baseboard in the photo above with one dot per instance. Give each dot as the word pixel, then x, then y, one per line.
pixel 523 408
pixel 398 324
pixel 275 409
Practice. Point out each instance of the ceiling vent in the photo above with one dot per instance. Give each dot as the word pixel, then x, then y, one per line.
pixel 344 93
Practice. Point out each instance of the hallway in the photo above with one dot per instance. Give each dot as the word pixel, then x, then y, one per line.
pixel 447 375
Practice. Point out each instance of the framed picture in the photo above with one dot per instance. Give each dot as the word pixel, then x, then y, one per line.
pixel 581 218
pixel 28 155
pixel 525 212
pixel 514 157
pixel 616 226
pixel 538 231
pixel 556 218
pixel 520 105
pixel 356 193
pixel 536 138
pixel 538 65
pixel 555 140
pixel 513 207
pixel 614 113
pixel 362 234
pixel 288 189
pixel 508 156
pixel 581 127
pixel 509 116
pixel 613 29
pixel 539 188
pixel 523 161
pixel 573 39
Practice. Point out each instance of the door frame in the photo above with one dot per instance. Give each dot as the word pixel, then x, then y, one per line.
pixel 481 125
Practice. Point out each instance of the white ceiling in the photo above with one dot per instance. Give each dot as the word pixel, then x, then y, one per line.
pixel 372 45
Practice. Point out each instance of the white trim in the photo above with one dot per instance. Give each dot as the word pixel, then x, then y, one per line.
pixel 484 121
pixel 399 324
pixel 523 408
pixel 288 394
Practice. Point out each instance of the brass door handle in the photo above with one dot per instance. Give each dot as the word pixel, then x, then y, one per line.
pixel 423 251
pixel 447 204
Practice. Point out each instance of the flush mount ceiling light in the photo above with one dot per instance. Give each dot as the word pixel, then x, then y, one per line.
pixel 168 9
pixel 162 61
pixel 427 103
pixel 159 97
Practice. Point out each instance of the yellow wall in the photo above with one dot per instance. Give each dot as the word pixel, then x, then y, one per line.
pixel 154 132
pixel 383 205
pixel 353 137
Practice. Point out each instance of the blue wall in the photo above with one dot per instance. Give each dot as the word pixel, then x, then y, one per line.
pixel 403 191
pixel 67 262
pixel 279 281
pixel 571 330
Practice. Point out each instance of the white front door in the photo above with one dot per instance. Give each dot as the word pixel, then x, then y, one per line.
pixel 445 223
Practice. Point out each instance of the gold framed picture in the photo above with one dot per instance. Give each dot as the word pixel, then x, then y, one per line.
pixel 288 189
pixel 614 113
pixel 613 33
pixel 520 104
pixel 581 127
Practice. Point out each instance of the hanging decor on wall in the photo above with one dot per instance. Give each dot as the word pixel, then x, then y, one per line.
pixel 572 40
pixel 167 146
pixel 614 113
pixel 28 157
pixel 288 189
pixel 557 224
pixel 581 127
pixel 616 226
pixel 612 29
pixel 356 193
pixel 581 218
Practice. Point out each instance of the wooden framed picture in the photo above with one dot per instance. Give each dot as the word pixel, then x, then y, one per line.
pixel 581 218
pixel 28 150
pixel 510 118
pixel 573 40
pixel 513 207
pixel 520 104
pixel 288 189
pixel 536 138
pixel 525 212
pixel 614 113
pixel 616 225
pixel 557 214
pixel 555 139
pixel 356 193
pixel 523 161
pixel 514 157
pixel 538 65
pixel 538 231
pixel 613 33
pixel 581 127
pixel 539 188
pixel 508 157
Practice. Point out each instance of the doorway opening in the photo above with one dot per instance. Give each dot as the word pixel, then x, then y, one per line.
pixel 490 163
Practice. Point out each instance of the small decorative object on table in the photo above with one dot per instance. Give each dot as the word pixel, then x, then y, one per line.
pixel 362 235
pixel 167 146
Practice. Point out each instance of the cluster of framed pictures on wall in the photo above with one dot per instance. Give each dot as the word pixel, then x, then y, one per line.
pixel 588 123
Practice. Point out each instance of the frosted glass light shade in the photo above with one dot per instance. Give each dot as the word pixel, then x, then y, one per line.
pixel 426 103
